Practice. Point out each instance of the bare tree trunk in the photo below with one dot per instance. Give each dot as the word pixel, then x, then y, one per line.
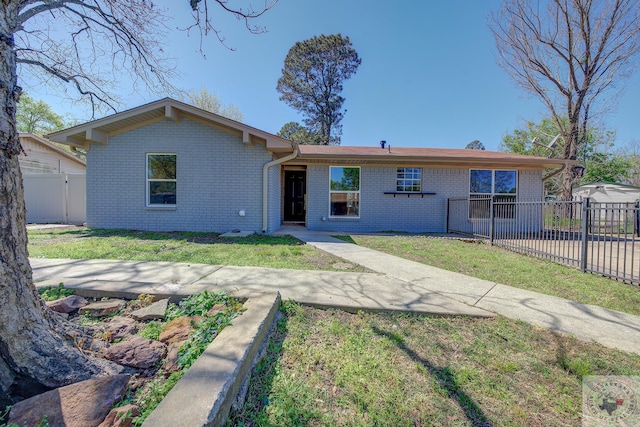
pixel 572 139
pixel 37 350
pixel 567 184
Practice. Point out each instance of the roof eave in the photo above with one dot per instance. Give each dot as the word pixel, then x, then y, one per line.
pixel 102 129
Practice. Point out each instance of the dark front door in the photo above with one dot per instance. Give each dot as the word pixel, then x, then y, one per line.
pixel 295 187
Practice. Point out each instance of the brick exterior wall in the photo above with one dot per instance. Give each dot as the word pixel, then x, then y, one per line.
pixel 217 176
pixel 380 212
pixel 530 188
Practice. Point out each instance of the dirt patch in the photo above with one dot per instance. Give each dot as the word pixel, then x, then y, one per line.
pixel 343 266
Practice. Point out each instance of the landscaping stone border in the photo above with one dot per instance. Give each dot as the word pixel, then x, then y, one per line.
pixel 204 395
pixel 206 392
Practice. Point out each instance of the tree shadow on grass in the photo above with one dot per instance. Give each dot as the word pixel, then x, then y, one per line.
pixel 445 378
pixel 187 236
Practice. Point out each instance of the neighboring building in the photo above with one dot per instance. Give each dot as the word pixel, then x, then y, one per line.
pixel 54 182
pixel 41 156
pixel 616 204
pixel 168 166
pixel 608 192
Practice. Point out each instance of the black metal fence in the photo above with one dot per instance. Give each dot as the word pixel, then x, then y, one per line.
pixel 602 238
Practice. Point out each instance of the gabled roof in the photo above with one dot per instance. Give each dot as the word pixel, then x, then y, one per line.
pixel 423 156
pixel 102 129
pixel 50 146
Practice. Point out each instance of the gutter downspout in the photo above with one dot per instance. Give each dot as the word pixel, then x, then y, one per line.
pixel 265 184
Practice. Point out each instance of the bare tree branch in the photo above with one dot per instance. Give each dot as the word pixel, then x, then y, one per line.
pixel 204 24
pixel 569 53
pixel 110 39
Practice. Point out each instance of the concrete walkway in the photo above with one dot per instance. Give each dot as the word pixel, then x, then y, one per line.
pixel 347 291
pixel 588 322
pixel 400 285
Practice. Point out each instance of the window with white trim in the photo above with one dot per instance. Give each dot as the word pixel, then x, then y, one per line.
pixel 409 180
pixel 161 179
pixel 344 191
pixel 497 185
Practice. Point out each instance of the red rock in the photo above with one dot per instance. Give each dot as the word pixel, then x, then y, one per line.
pixel 178 329
pixel 120 327
pixel 67 304
pixel 121 416
pixel 171 361
pixel 83 404
pixel 217 308
pixel 136 351
pixel 103 308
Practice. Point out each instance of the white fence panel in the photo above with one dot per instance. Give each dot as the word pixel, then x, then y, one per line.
pixel 55 198
pixel 76 198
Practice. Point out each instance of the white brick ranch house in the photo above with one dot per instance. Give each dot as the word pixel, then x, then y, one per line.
pixel 169 166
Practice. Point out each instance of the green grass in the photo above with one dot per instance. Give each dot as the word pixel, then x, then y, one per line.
pixel 334 368
pixel 487 262
pixel 202 248
pixel 51 293
pixel 471 258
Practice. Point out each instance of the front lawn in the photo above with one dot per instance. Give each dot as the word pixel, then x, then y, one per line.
pixel 201 248
pixel 478 259
pixel 328 367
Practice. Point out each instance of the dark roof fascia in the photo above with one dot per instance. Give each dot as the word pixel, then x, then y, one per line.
pixel 444 160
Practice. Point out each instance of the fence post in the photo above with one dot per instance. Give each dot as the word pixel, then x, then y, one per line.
pixel 448 210
pixel 637 218
pixel 492 218
pixel 585 233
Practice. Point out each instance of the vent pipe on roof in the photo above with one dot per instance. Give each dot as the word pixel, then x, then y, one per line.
pixel 382 143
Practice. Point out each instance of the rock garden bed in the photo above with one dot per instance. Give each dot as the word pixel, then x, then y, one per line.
pixel 155 342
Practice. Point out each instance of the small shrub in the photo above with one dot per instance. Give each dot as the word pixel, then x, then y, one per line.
pixel 577 366
pixel 51 293
pixel 205 332
pixel 580 367
pixel 151 330
pixel 290 308
pixel 200 304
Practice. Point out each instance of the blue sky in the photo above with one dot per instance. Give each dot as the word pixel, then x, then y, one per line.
pixel 428 77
